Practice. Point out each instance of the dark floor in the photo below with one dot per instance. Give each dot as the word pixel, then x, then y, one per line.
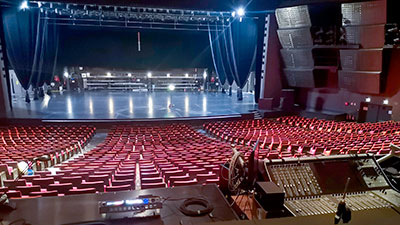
pixel 132 105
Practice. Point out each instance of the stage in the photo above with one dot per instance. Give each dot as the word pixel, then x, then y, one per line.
pixel 105 105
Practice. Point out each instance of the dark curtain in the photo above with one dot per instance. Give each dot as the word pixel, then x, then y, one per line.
pixel 32 46
pixel 20 29
pixel 217 55
pixel 243 48
pixel 234 50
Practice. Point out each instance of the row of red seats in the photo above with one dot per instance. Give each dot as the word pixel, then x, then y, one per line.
pixel 279 140
pixel 153 156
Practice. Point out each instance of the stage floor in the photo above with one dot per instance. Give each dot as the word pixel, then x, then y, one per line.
pixel 132 105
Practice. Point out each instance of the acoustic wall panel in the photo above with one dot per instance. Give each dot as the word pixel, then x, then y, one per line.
pixel 295 38
pixel 297 58
pixel 311 78
pixel 360 81
pixel 293 17
pixel 366 36
pixel 362 59
pixel 364 13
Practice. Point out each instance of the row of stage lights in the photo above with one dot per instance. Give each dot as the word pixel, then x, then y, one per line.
pixel 239 13
pixel 149 75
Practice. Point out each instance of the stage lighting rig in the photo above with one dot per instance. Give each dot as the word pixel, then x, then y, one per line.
pixel 131 17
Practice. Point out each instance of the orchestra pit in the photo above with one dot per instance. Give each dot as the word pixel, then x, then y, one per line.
pixel 199 112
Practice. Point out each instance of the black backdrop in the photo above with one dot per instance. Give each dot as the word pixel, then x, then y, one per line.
pixel 118 48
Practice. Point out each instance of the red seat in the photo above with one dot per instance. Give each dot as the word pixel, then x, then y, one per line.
pixel 201 178
pixel 98 185
pixel 118 188
pixel 11 184
pixel 14 194
pixel 29 178
pixel 123 182
pixel 104 178
pixel 185 183
pixel 151 180
pixel 81 191
pixel 3 189
pixel 153 185
pixel 44 193
pixel 25 190
pixel 124 176
pixel 43 182
pixel 75 181
pixel 61 188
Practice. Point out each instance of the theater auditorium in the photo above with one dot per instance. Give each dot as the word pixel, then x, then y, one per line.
pixel 186 112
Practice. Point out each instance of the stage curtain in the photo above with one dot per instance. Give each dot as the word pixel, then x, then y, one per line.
pixel 32 46
pixel 238 47
pixel 20 30
pixel 216 55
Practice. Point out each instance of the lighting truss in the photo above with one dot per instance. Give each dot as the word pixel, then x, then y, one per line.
pixel 131 17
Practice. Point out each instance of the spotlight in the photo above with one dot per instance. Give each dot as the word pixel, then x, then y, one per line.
pixel 171 87
pixel 186 75
pixel 66 74
pixel 168 75
pixel 368 99
pixel 386 102
pixel 24 5
pixel 129 74
pixel 240 12
pixel 80 68
pixel 149 75
pixel 108 74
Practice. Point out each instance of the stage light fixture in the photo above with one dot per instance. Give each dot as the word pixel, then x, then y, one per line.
pixel 108 74
pixel 386 102
pixel 168 75
pixel 186 75
pixel 368 99
pixel 149 75
pixel 66 74
pixel 171 87
pixel 129 74
pixel 240 12
pixel 24 5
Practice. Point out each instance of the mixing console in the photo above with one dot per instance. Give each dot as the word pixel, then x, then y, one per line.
pixel 315 185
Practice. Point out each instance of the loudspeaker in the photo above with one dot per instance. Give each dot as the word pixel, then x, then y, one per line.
pixel 361 59
pixel 297 58
pixel 295 38
pixel 312 78
pixel 364 13
pixel 366 36
pixel 293 17
pixel 360 81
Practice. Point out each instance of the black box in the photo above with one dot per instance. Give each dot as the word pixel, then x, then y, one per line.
pixel 269 196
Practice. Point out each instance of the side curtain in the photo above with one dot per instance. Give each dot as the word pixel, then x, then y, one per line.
pixel 242 48
pixel 219 67
pixel 32 46
pixel 20 30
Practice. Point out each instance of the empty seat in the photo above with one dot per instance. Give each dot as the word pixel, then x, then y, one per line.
pixel 44 193
pixel 25 190
pixel 124 176
pixel 123 182
pixel 118 188
pixel 153 185
pixel 43 182
pixel 75 181
pixel 81 191
pixel 61 188
pixel 14 194
pixel 184 183
pixel 29 178
pixel 98 185
pixel 151 180
pixel 11 184
pixel 104 178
